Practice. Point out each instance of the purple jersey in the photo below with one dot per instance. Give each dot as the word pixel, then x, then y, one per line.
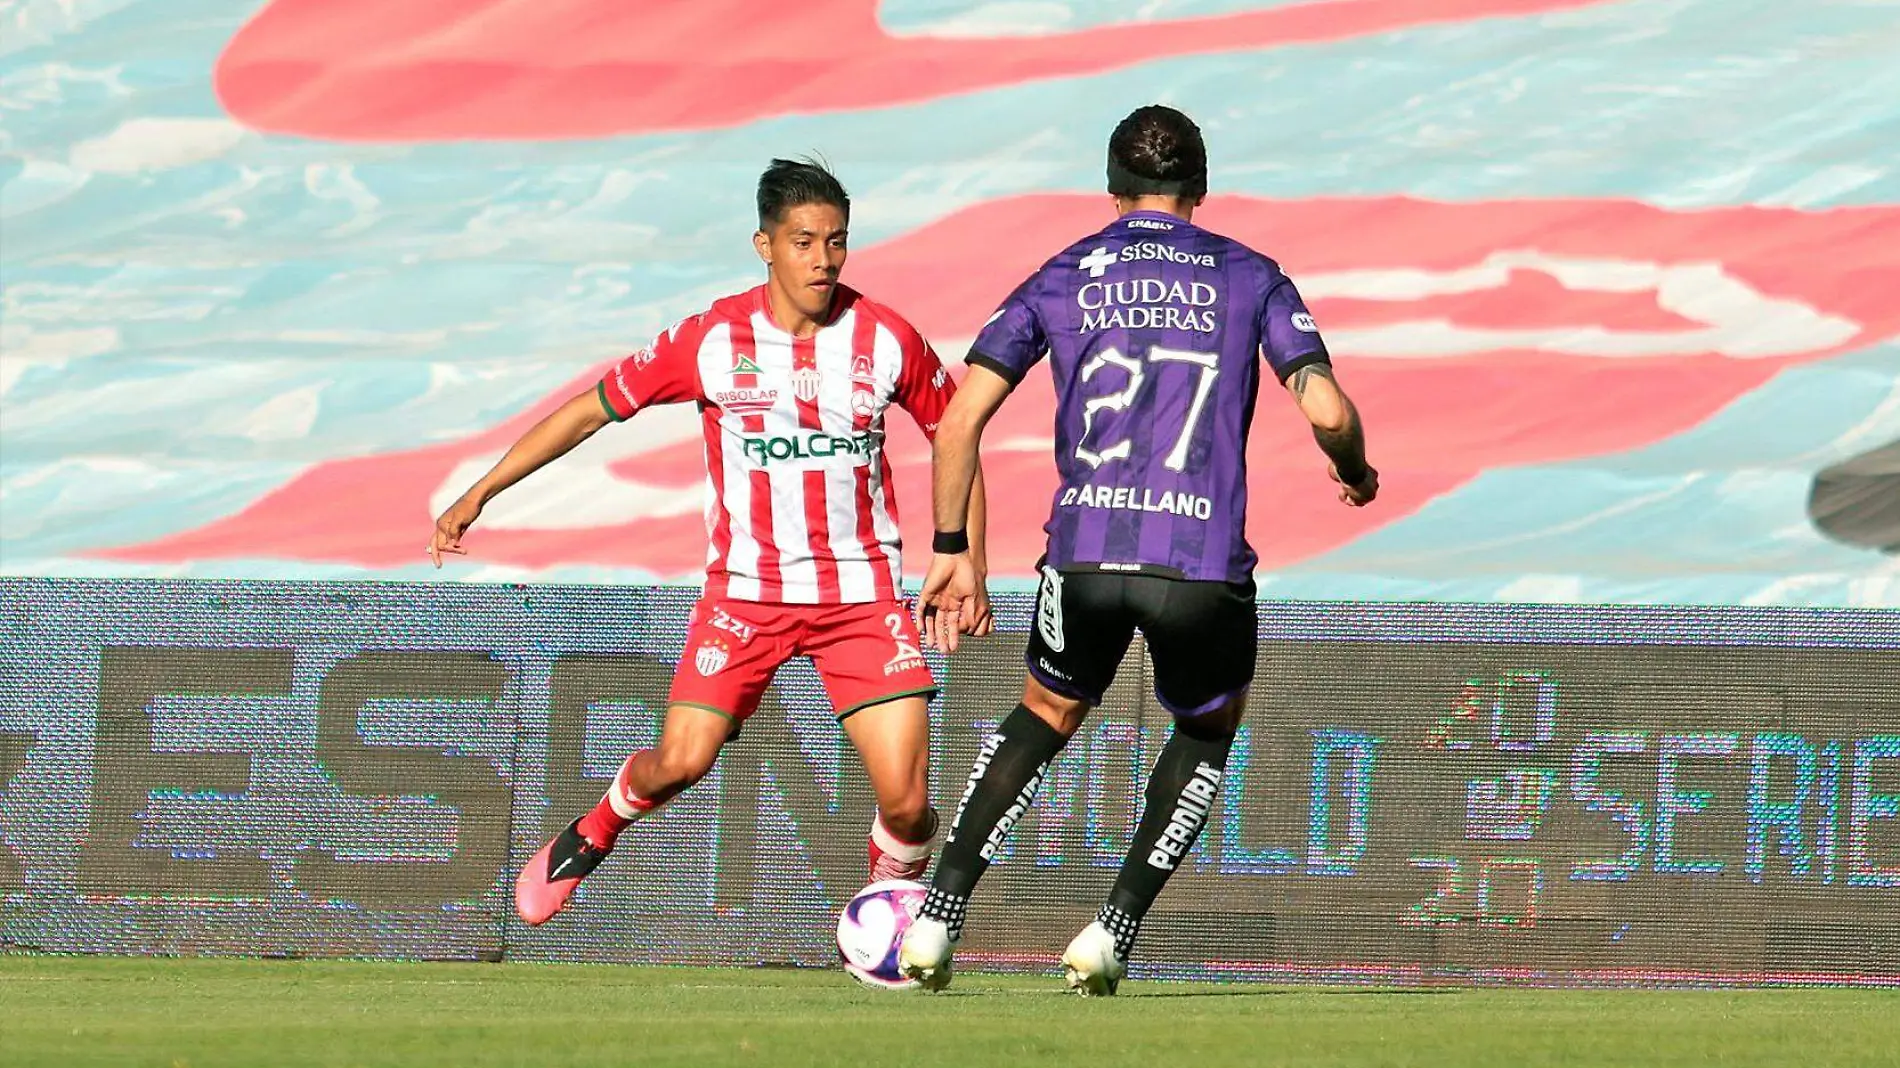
pixel 1153 328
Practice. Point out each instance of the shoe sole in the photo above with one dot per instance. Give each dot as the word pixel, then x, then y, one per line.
pixel 931 979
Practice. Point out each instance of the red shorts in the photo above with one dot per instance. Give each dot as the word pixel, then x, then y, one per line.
pixel 865 653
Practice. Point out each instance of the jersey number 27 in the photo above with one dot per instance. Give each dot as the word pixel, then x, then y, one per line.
pixel 1095 454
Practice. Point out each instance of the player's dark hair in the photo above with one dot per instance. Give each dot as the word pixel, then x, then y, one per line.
pixel 788 184
pixel 1157 150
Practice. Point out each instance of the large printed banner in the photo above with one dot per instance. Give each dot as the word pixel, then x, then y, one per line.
pixel 1528 319
pixel 1422 793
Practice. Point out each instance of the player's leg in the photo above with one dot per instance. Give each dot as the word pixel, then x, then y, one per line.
pixel 1201 639
pixel 893 740
pixel 690 740
pixel 872 664
pixel 728 663
pixel 1082 631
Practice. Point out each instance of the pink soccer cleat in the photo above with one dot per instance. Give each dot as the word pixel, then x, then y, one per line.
pixel 550 876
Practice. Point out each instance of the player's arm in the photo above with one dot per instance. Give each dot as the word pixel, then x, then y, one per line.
pixel 1290 341
pixel 548 440
pixel 1336 429
pixel 664 373
pixel 955 470
pixel 1010 343
pixel 953 598
pixel 978 518
pixel 925 389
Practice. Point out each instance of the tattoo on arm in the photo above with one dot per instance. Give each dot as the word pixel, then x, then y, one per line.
pixel 1344 445
pixel 1305 375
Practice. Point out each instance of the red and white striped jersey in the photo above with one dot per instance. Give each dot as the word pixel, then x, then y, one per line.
pixel 799 501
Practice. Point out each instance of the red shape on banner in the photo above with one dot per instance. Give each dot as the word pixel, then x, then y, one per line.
pixel 1467 333
pixel 559 69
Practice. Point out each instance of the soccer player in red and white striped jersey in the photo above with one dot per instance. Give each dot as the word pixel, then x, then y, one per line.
pixel 793 380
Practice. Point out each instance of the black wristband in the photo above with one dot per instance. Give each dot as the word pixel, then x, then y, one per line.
pixel 1353 478
pixel 950 542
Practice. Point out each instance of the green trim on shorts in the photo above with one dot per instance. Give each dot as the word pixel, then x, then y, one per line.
pixel 925 692
pixel 703 708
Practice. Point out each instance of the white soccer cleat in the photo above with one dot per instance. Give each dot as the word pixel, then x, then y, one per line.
pixel 925 953
pixel 1090 964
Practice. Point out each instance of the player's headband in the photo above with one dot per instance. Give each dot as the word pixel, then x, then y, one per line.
pixel 1123 182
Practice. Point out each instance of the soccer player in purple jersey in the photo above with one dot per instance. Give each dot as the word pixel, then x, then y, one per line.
pixel 1154 329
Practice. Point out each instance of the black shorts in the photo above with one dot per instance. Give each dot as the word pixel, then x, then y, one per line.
pixel 1201 635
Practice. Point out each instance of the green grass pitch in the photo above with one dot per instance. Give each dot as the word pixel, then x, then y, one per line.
pixel 71 1012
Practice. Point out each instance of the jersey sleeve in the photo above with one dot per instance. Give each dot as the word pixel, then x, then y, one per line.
pixel 924 387
pixel 1288 336
pixel 665 372
pixel 1013 341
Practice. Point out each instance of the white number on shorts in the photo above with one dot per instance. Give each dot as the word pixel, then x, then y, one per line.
pixel 896 623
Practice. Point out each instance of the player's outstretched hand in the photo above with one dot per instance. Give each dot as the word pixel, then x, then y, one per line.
pixel 981 623
pixel 450 528
pixel 1359 495
pixel 951 601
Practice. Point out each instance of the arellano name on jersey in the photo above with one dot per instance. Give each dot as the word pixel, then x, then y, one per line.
pixel 1137 499
pixel 808 446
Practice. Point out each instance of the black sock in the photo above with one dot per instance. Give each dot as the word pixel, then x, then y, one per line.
pixel 1180 800
pixel 1003 784
pixel 1123 926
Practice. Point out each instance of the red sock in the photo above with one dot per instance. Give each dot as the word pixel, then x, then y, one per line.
pixel 617 810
